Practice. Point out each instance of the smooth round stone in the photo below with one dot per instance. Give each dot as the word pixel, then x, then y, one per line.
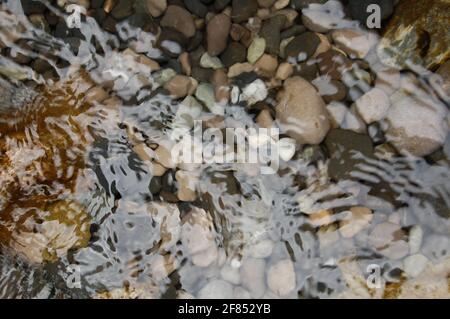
pixel 301 112
pixel 217 32
pixel 373 105
pixel 416 124
pixel 234 53
pixel 156 7
pixel 180 20
pixel 302 47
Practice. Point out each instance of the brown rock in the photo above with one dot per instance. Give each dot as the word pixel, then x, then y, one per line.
pixel 302 112
pixel 264 119
pixel 221 86
pixel 217 33
pixel 180 20
pixel 239 33
pixel 284 71
pixel 185 63
pixel 417 32
pixel 180 86
pixel 267 65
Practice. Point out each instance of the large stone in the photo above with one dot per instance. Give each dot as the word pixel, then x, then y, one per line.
pixel 179 19
pixel 416 124
pixel 217 33
pixel 302 112
pixel 373 106
pixel 417 34
pixel 271 32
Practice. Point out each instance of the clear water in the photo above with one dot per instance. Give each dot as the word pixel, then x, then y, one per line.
pixel 63 149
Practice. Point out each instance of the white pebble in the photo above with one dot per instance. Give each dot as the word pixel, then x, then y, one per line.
pixel 286 148
pixel 414 265
pixel 254 92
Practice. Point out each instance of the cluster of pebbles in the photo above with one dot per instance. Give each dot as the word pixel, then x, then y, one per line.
pixel 308 67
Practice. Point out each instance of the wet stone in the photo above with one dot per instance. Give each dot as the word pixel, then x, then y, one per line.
pixel 155 185
pixel 302 47
pixel 234 53
pixel 343 147
pixel 416 34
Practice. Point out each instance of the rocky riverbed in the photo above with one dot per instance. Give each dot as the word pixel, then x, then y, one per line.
pixel 95 96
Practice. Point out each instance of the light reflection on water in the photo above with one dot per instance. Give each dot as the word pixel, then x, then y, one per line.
pixel 69 146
